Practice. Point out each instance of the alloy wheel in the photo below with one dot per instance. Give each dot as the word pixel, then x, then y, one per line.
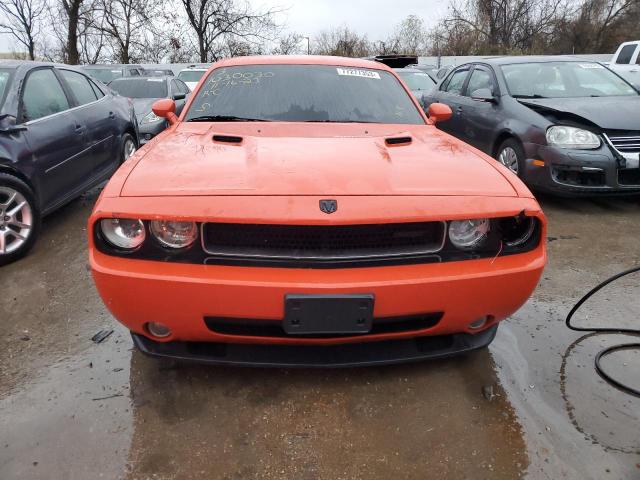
pixel 129 148
pixel 16 220
pixel 509 158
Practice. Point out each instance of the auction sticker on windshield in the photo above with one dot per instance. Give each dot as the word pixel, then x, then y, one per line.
pixel 352 72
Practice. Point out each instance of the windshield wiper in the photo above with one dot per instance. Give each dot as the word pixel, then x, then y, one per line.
pixel 535 95
pixel 225 118
pixel 337 121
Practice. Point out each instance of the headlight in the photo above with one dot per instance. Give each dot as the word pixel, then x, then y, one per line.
pixel 174 234
pixel 572 137
pixel 151 118
pixel 469 234
pixel 123 232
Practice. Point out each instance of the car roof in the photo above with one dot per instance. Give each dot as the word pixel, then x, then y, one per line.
pixel 143 78
pixel 302 60
pixel 409 70
pixel 530 59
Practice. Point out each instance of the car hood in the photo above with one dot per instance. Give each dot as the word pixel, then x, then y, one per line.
pixel 142 106
pixel 312 159
pixel 609 113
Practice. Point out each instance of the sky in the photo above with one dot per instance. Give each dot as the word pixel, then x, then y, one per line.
pixel 376 18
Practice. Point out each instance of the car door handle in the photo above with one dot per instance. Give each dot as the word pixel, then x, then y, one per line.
pixel 112 115
pixel 79 129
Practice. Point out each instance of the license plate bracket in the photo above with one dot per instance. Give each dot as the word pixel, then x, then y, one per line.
pixel 328 314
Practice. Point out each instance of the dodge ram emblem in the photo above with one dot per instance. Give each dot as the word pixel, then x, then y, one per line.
pixel 328 206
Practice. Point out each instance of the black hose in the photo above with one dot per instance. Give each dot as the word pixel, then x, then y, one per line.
pixel 615 348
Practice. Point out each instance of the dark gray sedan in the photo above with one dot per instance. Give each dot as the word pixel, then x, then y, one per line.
pixel 61 133
pixel 143 92
pixel 564 125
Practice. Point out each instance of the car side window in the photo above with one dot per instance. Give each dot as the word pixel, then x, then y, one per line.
pixel 625 54
pixel 456 81
pixel 480 79
pixel 134 72
pixel 183 86
pixel 42 95
pixel 174 88
pixel 80 86
pixel 96 89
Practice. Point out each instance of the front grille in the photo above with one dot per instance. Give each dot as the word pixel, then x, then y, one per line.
pixel 273 328
pixel 625 141
pixel 318 243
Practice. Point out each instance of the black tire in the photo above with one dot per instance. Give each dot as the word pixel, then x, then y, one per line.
pixel 14 183
pixel 514 146
pixel 126 138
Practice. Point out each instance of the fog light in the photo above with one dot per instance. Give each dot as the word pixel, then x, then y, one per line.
pixel 158 329
pixel 481 322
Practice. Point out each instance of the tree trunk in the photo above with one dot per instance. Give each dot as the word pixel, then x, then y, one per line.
pixel 73 56
pixel 203 51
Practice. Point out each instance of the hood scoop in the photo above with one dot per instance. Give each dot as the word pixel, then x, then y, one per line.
pixel 398 141
pixel 233 139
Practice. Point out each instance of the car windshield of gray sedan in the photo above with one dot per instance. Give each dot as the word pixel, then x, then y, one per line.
pixel 140 87
pixel 303 93
pixel 5 74
pixel 191 75
pixel 105 75
pixel 417 81
pixel 563 80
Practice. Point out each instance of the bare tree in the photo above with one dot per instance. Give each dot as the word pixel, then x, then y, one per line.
pixel 220 23
pixel 72 8
pixel 502 26
pixel 125 23
pixel 21 20
pixel 410 37
pixel 288 44
pixel 342 42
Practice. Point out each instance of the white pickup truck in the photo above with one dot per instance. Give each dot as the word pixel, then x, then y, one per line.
pixel 626 62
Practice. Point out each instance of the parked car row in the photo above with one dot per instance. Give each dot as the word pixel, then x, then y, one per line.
pixel 562 125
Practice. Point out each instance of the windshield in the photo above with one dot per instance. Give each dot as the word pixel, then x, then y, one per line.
pixel 140 87
pixel 5 76
pixel 304 93
pixel 191 75
pixel 105 75
pixel 417 80
pixel 564 79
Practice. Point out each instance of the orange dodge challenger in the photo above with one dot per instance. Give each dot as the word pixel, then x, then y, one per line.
pixel 303 211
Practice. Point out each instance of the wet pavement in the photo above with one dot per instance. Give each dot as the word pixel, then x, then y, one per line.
pixel 530 407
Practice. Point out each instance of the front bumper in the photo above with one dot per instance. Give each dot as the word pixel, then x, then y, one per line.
pixel 147 131
pixel 346 355
pixel 579 172
pixel 185 296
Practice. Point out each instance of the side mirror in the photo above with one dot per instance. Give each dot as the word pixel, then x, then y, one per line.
pixel 179 96
pixel 165 108
pixel 483 95
pixel 439 112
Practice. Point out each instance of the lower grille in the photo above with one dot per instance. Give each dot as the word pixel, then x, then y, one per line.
pixel 273 328
pixel 625 141
pixel 576 176
pixel 629 177
pixel 304 243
